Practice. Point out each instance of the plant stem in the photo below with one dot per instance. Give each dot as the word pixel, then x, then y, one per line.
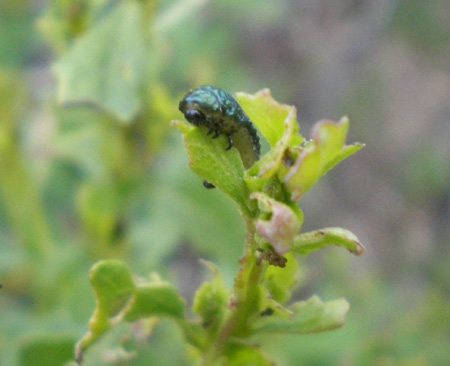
pixel 246 297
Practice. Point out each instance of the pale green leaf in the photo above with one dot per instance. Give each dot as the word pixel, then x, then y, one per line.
pixel 269 116
pixel 270 162
pixel 105 66
pixel 307 243
pixel 310 316
pixel 159 298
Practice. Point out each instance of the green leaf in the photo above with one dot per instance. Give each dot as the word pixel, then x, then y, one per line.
pixel 117 295
pixel 113 287
pixel 318 156
pixel 280 281
pixel 105 66
pixel 270 163
pixel 211 299
pixel 310 316
pixel 209 159
pixel 315 240
pixel 159 298
pixel 269 116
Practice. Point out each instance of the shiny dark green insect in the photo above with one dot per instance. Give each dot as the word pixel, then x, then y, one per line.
pixel 218 111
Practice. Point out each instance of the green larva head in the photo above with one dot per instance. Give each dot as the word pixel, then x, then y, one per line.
pixel 200 105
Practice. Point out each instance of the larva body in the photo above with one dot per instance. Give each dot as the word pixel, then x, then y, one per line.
pixel 218 111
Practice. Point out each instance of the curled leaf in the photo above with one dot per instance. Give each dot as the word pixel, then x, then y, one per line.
pixel 270 163
pixel 309 316
pixel 119 298
pixel 269 116
pixel 113 287
pixel 283 225
pixel 316 240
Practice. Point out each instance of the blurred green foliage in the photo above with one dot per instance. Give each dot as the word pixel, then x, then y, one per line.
pixel 104 176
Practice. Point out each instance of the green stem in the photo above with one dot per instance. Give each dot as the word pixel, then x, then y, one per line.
pixel 246 297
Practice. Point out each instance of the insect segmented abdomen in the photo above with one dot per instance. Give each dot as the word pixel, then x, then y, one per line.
pixel 217 110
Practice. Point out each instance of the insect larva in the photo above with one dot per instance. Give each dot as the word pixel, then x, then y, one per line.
pixel 218 111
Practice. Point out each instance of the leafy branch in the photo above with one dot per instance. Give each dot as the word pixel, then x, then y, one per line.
pixel 266 195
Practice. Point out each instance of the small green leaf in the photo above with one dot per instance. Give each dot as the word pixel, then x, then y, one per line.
pixel 117 295
pixel 113 285
pixel 280 281
pixel 318 156
pixel 158 298
pixel 284 223
pixel 209 159
pixel 270 163
pixel 310 316
pixel 315 240
pixel 105 66
pixel 211 299
pixel 269 116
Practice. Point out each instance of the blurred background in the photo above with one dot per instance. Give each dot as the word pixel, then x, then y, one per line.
pixel 91 169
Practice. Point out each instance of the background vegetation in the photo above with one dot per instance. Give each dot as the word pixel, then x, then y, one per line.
pixel 90 168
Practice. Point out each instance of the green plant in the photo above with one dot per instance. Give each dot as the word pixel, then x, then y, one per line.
pixel 226 320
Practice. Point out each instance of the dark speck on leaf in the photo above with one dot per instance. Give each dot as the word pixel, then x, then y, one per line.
pixel 208 185
pixel 267 312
